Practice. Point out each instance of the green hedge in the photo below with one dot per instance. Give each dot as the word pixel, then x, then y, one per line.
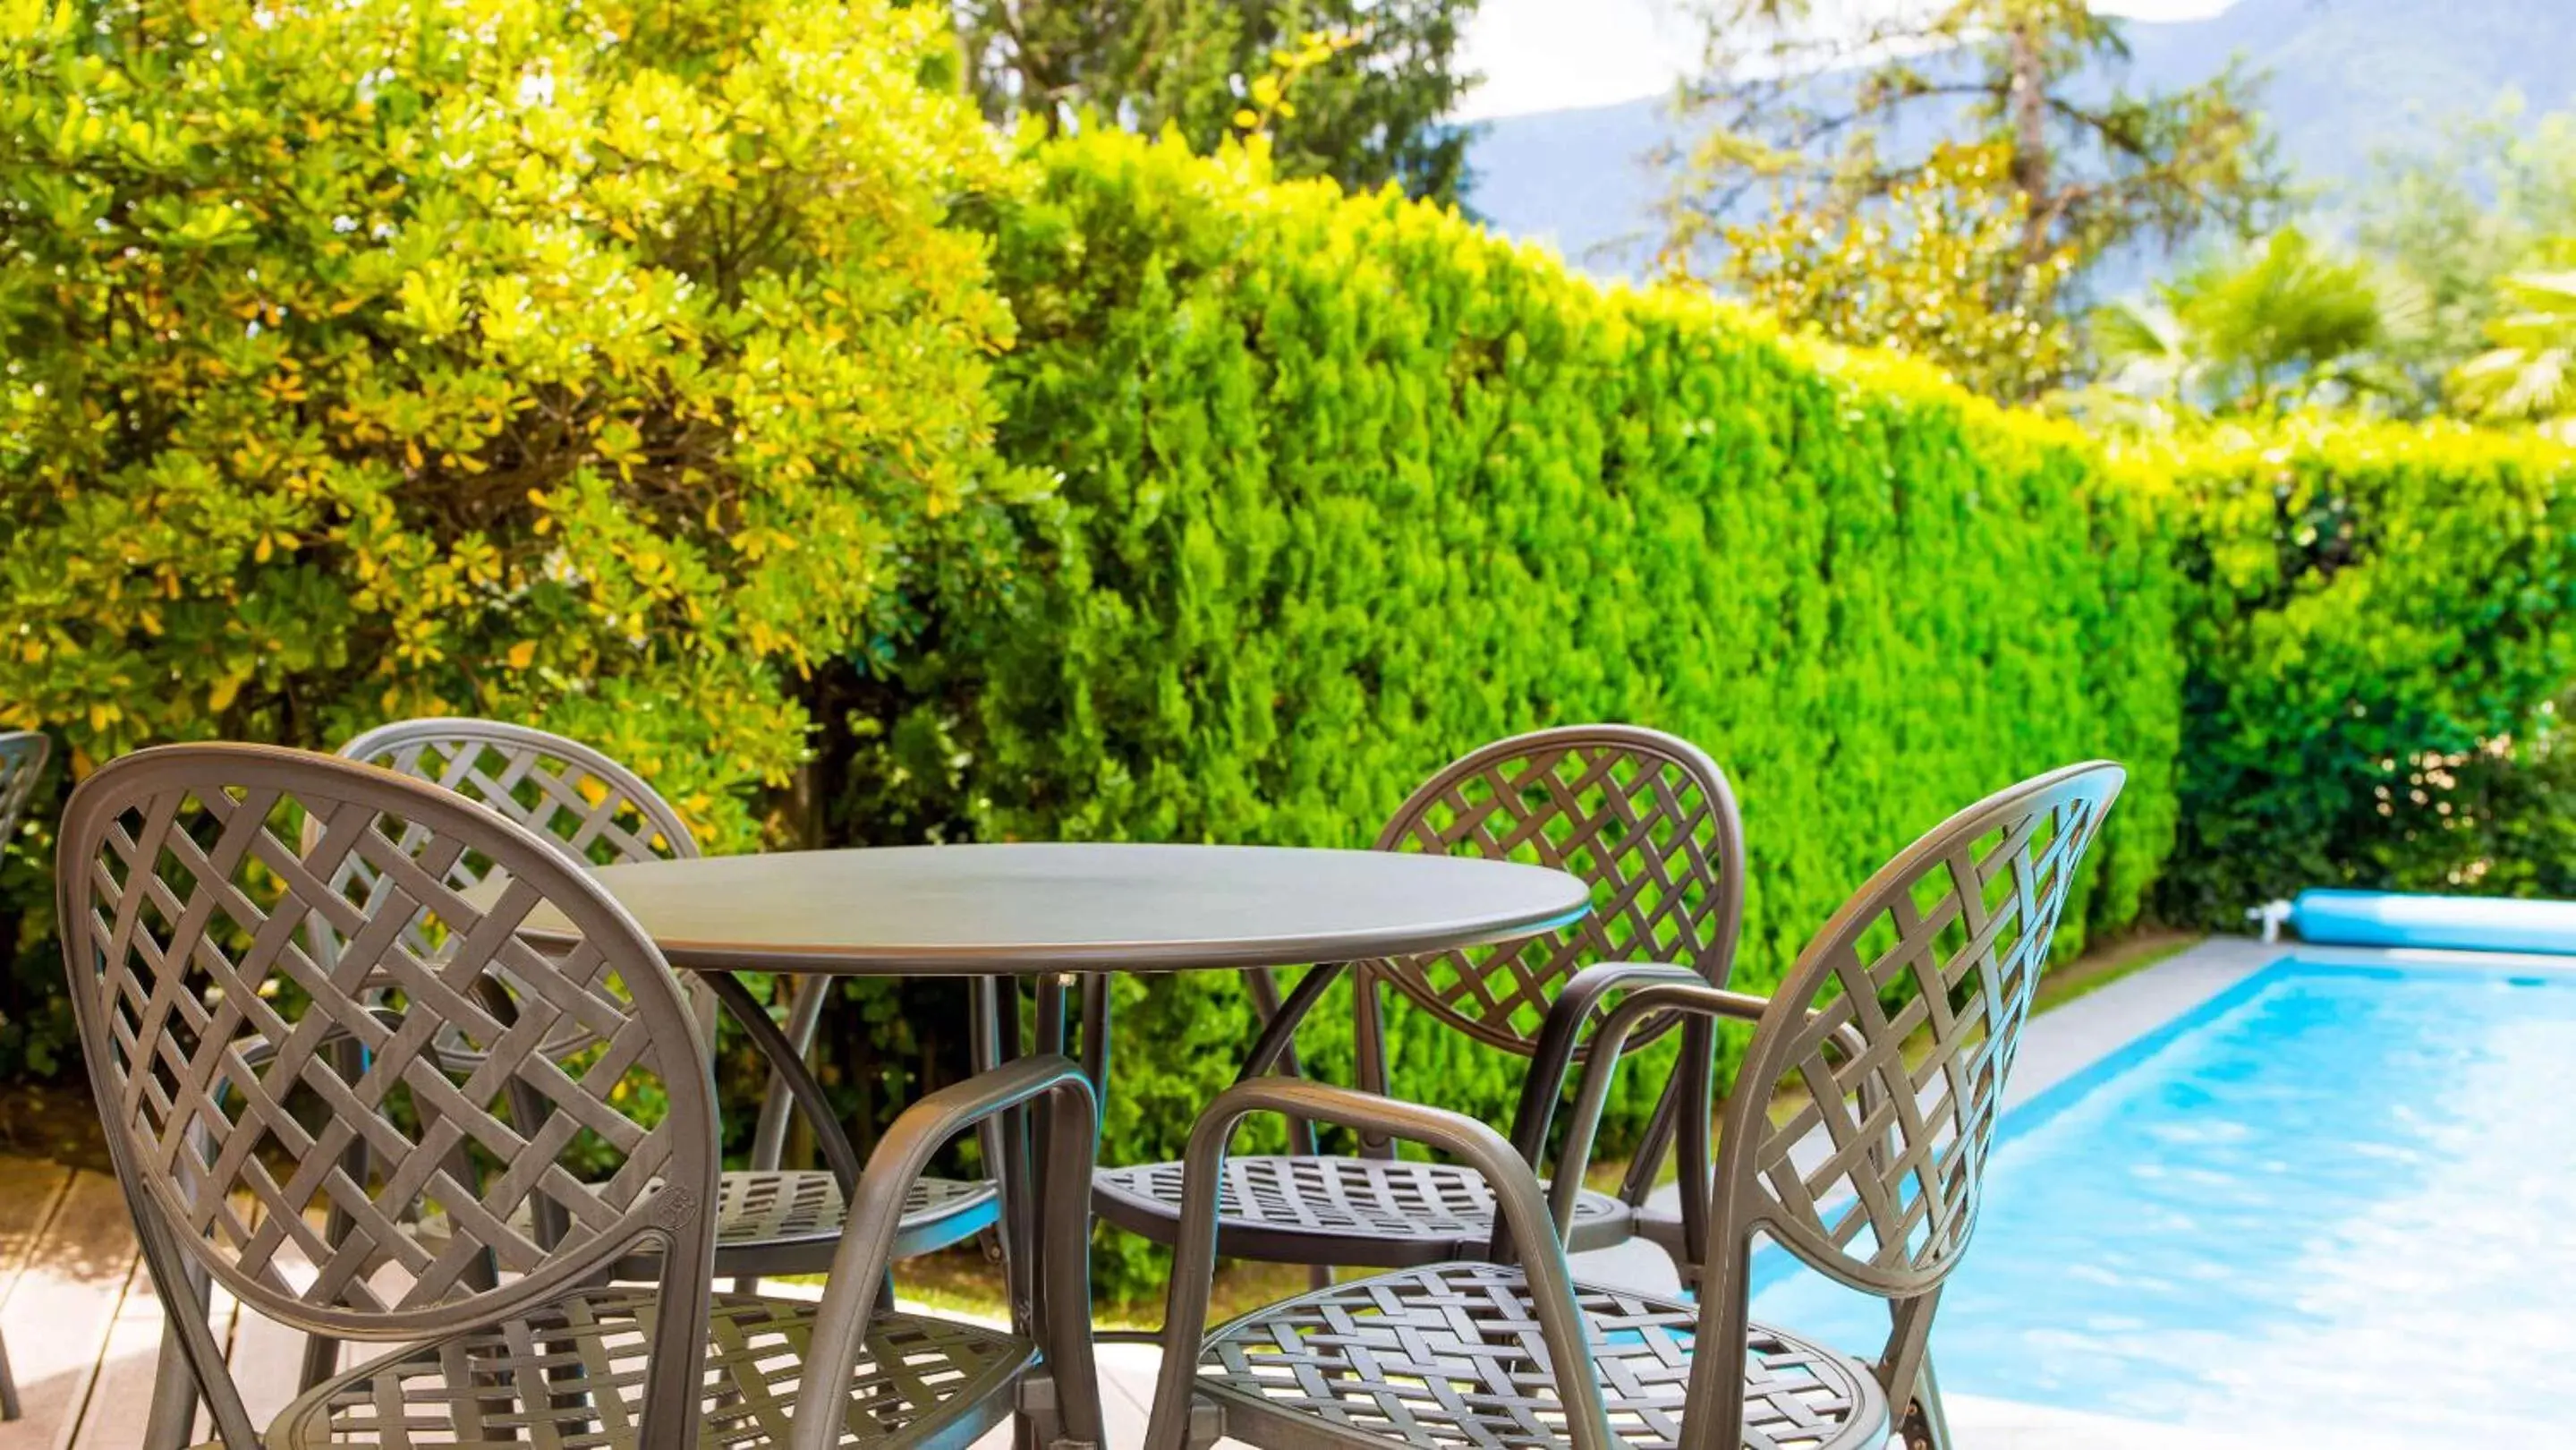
pixel 1349 486
pixel 2378 628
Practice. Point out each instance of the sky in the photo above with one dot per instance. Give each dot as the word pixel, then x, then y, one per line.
pixel 1546 55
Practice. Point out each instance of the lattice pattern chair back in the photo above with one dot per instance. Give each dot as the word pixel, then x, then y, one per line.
pixel 1898 1026
pixel 1646 818
pixel 192 898
pixel 601 811
pixel 555 786
pixel 22 759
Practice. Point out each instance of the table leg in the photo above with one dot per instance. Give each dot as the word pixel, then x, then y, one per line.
pixel 1022 1167
pixel 838 1153
pixel 1012 1175
pixel 1048 1036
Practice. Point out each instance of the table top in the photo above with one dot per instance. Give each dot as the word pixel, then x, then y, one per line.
pixel 1006 909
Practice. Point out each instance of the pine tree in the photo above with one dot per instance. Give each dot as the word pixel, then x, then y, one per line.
pixel 1377 114
pixel 1831 127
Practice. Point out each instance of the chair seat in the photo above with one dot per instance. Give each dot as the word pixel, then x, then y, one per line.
pixel 804 1208
pixel 789 1221
pixel 1451 1356
pixel 572 1373
pixel 1338 1210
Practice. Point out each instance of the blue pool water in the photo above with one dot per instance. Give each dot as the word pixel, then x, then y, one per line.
pixel 2334 1206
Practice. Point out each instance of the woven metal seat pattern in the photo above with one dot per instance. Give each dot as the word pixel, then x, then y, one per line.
pixel 198 902
pixel 1648 822
pixel 1933 979
pixel 1368 1197
pixel 201 885
pixel 1452 1355
pixel 571 1374
pixel 801 1207
pixel 807 1203
pixel 601 811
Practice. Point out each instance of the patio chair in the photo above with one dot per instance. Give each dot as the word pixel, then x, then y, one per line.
pixel 1895 1030
pixel 1650 823
pixel 22 759
pixel 769 1220
pixel 195 907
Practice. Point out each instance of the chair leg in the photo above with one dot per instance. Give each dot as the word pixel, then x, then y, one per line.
pixel 9 1409
pixel 1924 1426
pixel 174 1397
pixel 321 1360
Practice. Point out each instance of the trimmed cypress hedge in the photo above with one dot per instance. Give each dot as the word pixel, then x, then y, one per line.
pixel 1349 486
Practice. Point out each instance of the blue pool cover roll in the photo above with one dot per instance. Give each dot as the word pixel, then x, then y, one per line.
pixel 2464 923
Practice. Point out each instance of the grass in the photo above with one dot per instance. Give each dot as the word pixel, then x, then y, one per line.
pixel 966 1283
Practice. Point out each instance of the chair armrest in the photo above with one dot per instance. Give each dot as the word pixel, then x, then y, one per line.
pixel 876 1210
pixel 1519 1202
pixel 1560 1037
pixel 1695 999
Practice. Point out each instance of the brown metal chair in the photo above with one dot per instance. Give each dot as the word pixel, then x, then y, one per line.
pixel 1650 823
pixel 769 1220
pixel 196 909
pixel 1895 1029
pixel 22 759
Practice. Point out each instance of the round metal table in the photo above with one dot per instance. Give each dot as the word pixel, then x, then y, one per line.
pixel 1026 909
pixel 1058 912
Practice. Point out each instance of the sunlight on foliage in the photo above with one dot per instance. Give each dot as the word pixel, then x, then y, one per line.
pixel 1267 101
pixel 2278 325
pixel 1352 486
pixel 1933 270
pixel 586 364
pixel 2528 373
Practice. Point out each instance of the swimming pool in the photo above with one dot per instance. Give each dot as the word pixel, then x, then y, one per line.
pixel 2333 1206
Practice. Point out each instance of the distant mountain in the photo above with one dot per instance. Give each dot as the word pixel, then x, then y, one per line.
pixel 2349 79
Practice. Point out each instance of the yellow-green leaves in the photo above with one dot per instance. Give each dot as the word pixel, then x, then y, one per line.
pixel 604 366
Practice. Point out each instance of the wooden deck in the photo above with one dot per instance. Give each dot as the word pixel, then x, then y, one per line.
pixel 83 1325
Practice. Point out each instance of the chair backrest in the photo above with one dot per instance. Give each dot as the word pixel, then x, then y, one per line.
pixel 250 1093
pixel 22 759
pixel 1645 818
pixel 559 787
pixel 601 812
pixel 1898 1025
